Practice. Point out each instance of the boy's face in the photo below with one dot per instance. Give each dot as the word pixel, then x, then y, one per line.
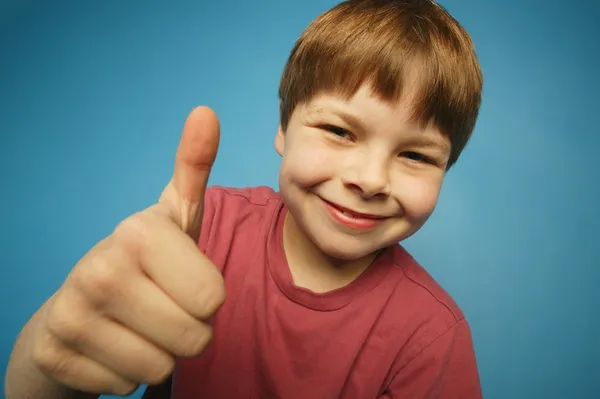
pixel 357 175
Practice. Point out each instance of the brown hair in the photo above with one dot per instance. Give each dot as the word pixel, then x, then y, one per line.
pixel 381 42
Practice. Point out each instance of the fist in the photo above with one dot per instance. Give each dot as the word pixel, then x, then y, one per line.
pixel 144 295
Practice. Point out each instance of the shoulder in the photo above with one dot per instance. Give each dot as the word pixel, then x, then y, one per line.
pixel 425 289
pixel 434 353
pixel 235 204
pixel 245 196
pixel 231 212
pixel 423 311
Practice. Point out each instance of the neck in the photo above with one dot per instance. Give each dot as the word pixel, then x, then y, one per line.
pixel 313 269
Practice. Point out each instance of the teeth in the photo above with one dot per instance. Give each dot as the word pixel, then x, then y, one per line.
pixel 348 214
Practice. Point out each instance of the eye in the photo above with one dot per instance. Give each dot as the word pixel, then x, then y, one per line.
pixel 416 157
pixel 337 131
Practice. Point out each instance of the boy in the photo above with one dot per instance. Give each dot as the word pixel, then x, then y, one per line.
pixel 378 99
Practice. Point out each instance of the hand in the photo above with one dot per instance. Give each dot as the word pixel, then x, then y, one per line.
pixel 143 295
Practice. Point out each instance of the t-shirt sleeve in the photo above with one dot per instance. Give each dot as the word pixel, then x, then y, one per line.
pixel 444 369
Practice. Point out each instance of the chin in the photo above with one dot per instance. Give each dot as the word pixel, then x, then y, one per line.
pixel 344 255
pixel 346 250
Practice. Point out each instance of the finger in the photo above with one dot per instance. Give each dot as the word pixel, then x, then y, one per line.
pixel 168 257
pixel 174 263
pixel 77 324
pixel 74 370
pixel 195 156
pixel 126 353
pixel 146 309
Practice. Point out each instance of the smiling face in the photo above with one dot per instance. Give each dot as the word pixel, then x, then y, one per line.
pixel 358 175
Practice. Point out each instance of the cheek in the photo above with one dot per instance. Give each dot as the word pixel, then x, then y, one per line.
pixel 418 196
pixel 308 162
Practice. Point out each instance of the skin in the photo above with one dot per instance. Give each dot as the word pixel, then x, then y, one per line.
pixel 137 300
pixel 143 295
pixel 367 156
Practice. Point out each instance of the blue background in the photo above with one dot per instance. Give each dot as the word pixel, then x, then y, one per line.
pixel 94 95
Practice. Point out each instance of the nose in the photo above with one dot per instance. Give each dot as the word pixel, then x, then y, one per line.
pixel 368 176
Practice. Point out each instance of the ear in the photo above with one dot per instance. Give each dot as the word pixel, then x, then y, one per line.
pixel 280 141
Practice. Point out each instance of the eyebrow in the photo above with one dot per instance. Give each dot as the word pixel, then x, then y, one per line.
pixel 429 142
pixel 352 120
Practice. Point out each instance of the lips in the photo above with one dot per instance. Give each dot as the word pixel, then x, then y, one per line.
pixel 351 213
pixel 353 219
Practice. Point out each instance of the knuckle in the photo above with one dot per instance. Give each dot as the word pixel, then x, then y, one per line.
pixel 64 325
pixel 193 340
pixel 100 280
pixel 159 370
pixel 43 355
pixel 211 296
pixel 125 388
pixel 134 229
pixel 51 362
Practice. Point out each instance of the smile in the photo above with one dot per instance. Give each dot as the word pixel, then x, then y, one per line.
pixel 352 219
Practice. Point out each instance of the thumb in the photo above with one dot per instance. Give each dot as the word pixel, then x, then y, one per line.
pixel 195 156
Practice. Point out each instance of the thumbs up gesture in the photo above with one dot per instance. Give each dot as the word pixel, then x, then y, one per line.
pixel 143 295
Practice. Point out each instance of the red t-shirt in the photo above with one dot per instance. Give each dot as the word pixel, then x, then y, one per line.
pixel 391 333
